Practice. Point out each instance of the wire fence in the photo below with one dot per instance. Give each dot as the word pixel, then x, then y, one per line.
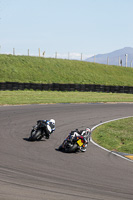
pixel 41 53
pixel 122 60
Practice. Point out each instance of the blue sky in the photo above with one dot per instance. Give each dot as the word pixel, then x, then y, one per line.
pixel 68 27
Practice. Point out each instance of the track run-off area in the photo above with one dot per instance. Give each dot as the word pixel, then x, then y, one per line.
pixel 38 171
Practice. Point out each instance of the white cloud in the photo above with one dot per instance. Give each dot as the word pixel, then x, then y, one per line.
pixel 72 56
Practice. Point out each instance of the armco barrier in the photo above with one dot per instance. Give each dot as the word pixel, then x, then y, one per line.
pixel 65 87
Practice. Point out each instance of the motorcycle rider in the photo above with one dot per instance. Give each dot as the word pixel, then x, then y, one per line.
pixel 85 134
pixel 49 126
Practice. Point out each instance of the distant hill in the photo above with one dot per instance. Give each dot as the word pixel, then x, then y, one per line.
pixel 115 57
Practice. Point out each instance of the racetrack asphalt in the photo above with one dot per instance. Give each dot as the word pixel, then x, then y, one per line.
pixel 37 171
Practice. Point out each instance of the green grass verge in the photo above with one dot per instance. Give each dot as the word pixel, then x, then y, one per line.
pixel 49 70
pixel 116 135
pixel 40 97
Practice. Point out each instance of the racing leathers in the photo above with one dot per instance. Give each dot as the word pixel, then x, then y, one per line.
pixel 49 126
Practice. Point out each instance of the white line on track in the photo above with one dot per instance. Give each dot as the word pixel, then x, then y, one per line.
pixel 105 148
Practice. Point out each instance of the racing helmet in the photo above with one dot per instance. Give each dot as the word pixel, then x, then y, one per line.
pixel 88 130
pixel 52 121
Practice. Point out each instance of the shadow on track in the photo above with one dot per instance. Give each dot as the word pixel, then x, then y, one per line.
pixel 29 140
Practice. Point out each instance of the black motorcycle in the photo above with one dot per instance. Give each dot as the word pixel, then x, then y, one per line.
pixel 73 145
pixel 38 131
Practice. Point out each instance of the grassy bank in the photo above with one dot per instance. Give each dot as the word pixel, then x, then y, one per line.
pixel 116 136
pixel 40 97
pixel 50 70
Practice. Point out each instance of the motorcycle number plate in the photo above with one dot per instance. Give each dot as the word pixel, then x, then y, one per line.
pixel 80 143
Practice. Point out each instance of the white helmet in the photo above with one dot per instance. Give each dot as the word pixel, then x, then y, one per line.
pixel 88 130
pixel 52 121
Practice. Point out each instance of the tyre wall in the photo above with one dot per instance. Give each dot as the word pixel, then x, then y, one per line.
pixel 65 87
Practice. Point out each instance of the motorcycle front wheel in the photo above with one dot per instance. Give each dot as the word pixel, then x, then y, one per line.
pixel 36 135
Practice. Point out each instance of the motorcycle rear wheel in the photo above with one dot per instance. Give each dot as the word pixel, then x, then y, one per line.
pixel 72 149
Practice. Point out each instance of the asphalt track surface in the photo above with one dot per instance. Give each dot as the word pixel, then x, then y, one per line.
pixel 37 171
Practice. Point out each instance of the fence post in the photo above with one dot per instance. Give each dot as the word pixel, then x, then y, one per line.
pixel 126 59
pixel 39 52
pixel 13 51
pixel 55 54
pixel 107 60
pixel 81 56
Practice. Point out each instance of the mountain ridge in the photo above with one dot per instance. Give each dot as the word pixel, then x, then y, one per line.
pixel 118 57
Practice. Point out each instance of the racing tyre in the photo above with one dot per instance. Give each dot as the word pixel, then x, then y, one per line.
pixel 36 135
pixel 71 149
